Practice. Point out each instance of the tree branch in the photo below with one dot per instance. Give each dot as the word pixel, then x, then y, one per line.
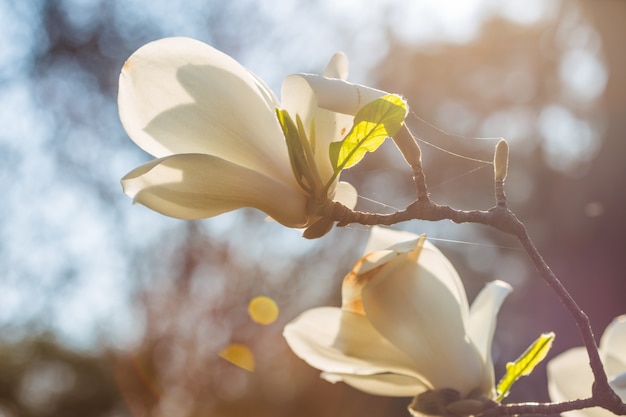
pixel 504 220
pixel 539 408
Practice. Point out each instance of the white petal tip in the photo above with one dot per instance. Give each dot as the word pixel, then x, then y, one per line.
pixel 338 67
pixel 502 285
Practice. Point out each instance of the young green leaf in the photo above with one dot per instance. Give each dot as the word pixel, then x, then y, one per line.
pixel 300 153
pixel 376 121
pixel 297 156
pixel 525 364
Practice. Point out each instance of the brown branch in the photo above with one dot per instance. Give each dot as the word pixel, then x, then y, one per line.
pixel 499 217
pixel 504 220
pixel 539 408
pixel 601 389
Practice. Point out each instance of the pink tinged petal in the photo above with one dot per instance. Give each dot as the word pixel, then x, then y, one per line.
pixel 343 343
pixel 415 307
pixel 613 347
pixel 179 95
pixel 391 385
pixel 482 324
pixel 570 378
pixel 194 186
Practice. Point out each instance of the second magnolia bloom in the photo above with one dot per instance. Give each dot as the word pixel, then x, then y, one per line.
pixel 405 326
pixel 212 125
pixel 570 376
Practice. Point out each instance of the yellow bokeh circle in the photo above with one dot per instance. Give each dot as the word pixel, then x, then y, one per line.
pixel 263 310
pixel 240 355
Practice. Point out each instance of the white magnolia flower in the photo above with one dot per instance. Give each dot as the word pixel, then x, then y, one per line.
pixel 405 326
pixel 570 376
pixel 212 125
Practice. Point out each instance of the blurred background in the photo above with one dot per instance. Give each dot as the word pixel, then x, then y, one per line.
pixel 109 309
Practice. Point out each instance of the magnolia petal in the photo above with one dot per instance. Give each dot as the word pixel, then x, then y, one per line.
pixel 323 126
pixel 613 353
pixel 391 385
pixel 379 257
pixel 373 260
pixel 346 194
pixel 338 67
pixel 298 99
pixel 400 242
pixel 439 266
pixel 382 238
pixel 618 384
pixel 265 91
pixel 179 95
pixel 414 308
pixel 332 126
pixel 482 324
pixel 343 343
pixel 339 95
pixel 430 256
pixel 194 186
pixel 326 106
pixel 329 127
pixel 570 378
pixel 364 269
pixel 613 347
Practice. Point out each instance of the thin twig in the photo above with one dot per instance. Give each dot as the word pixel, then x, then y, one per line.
pixel 406 143
pixel 504 220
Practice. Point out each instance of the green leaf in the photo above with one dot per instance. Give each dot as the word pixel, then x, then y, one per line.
pixel 376 121
pixel 525 364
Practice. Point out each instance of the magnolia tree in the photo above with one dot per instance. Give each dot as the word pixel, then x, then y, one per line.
pixel 223 141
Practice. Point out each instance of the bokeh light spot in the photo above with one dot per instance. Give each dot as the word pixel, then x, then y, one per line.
pixel 594 209
pixel 239 355
pixel 263 310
